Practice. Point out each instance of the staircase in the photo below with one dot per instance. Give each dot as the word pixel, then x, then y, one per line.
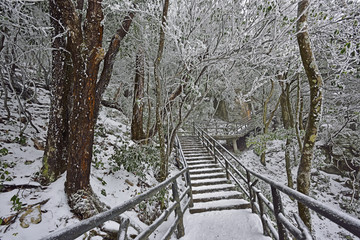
pixel 212 191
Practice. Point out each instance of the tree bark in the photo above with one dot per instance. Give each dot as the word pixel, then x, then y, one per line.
pixel 267 121
pixel 57 141
pixel 163 159
pixel 86 53
pixel 315 83
pixel 109 60
pixel 84 45
pixel 137 130
pixel 287 123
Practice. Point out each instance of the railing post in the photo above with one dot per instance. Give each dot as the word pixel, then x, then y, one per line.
pixel 248 176
pixel 188 182
pixel 178 211
pixel 202 136
pixel 227 169
pixel 261 213
pixel 124 224
pixel 278 208
pixel 213 149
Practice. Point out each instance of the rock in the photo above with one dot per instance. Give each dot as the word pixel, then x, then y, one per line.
pixel 331 169
pixel 353 126
pixel 32 215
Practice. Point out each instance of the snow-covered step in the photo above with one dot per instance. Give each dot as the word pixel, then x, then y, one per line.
pixel 192 147
pixel 199 162
pixel 214 196
pixel 208 176
pixel 201 166
pixel 225 204
pixel 205 171
pixel 199 158
pixel 213 188
pixel 214 181
pixel 196 154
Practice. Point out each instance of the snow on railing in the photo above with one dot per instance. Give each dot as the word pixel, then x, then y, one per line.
pixel 76 230
pixel 259 201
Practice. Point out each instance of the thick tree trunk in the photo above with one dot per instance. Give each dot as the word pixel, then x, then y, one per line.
pixel 163 159
pixel 86 53
pixel 84 45
pixel 55 155
pixel 315 83
pixel 137 130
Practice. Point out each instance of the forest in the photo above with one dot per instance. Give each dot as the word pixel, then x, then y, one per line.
pixel 94 92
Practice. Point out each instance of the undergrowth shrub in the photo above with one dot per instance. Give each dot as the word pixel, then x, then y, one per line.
pixel 149 210
pixel 137 159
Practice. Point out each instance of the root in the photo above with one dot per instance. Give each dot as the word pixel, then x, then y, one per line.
pixel 85 204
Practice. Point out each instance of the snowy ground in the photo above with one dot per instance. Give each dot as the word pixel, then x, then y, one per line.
pixel 327 188
pixel 23 160
pixel 229 224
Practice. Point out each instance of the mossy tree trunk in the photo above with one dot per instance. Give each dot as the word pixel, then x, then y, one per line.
pixel 84 48
pixel 315 83
pixel 57 141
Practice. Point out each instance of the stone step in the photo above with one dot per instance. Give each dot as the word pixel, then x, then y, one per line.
pixel 205 171
pixel 213 188
pixel 208 176
pixel 201 166
pixel 214 196
pixel 206 182
pixel 220 205
pixel 199 162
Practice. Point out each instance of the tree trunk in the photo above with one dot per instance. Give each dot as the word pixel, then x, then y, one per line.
pixel 267 121
pixel 57 141
pixel 286 117
pixel 315 83
pixel 297 114
pixel 84 45
pixel 109 60
pixel 86 53
pixel 221 110
pixel 137 130
pixel 163 159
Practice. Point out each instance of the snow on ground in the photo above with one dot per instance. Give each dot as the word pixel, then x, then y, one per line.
pixel 326 188
pixel 229 224
pixel 23 160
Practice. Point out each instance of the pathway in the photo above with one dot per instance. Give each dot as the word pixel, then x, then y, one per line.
pixel 219 212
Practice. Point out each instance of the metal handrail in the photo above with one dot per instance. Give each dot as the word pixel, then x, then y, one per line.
pixel 83 226
pixel 258 200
